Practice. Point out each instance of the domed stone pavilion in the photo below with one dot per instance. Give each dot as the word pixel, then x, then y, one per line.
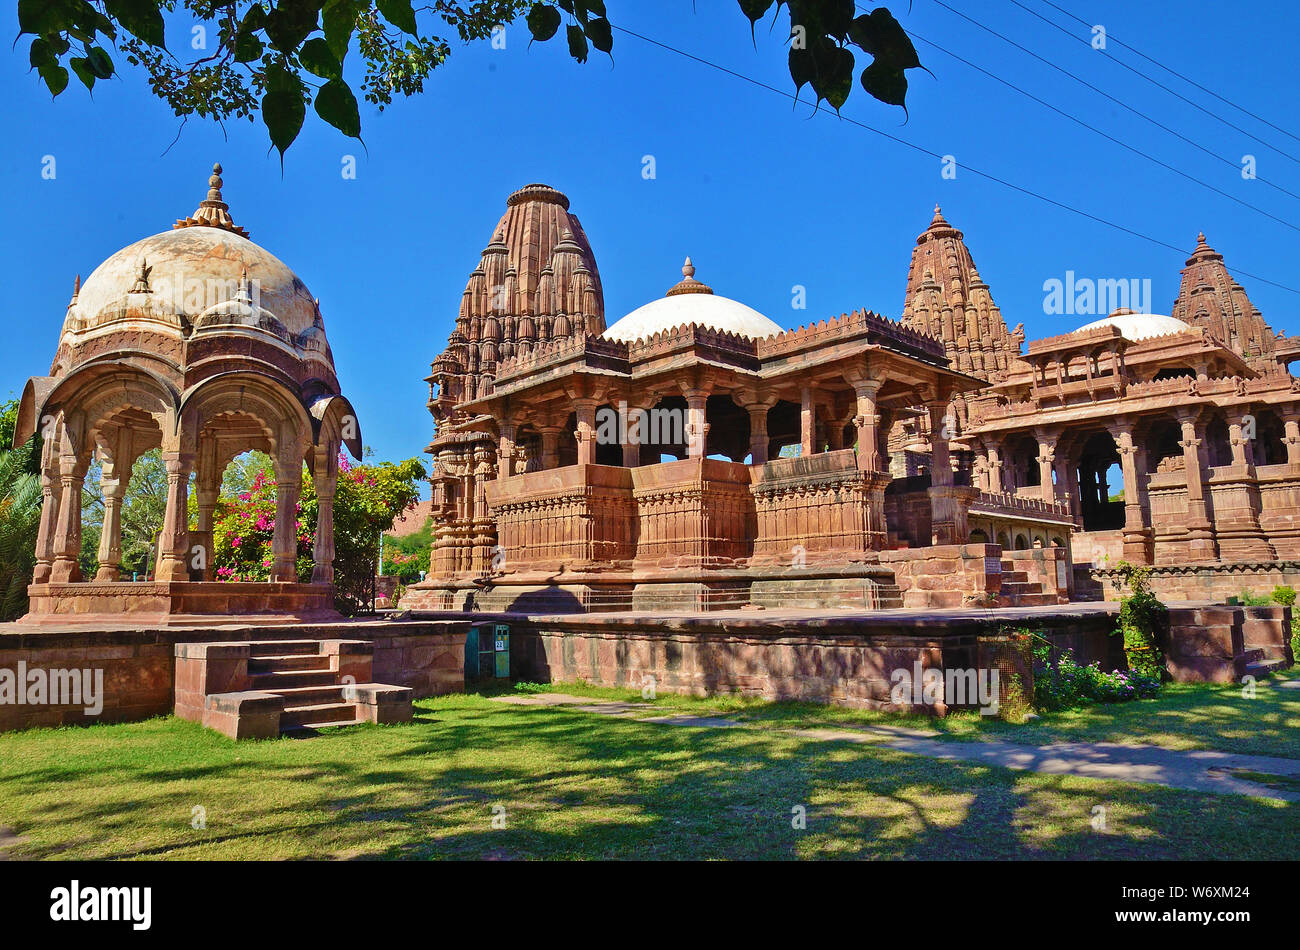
pixel 198 342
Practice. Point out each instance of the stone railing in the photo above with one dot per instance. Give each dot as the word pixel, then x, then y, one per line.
pixel 1009 505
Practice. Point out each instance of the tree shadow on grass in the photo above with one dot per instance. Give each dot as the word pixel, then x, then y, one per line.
pixel 577 785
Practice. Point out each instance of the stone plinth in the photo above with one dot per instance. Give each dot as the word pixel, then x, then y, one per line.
pixel 179 603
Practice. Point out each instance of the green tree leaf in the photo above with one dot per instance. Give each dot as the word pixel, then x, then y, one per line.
pixel 291 22
pixel 142 18
pixel 887 85
pixel 879 34
pixel 339 19
pixel 834 80
pixel 336 104
pixel 577 43
pixel 283 109
pixel 601 34
pixel 81 66
pixel 543 21
pixel 42 17
pixel 248 47
pixel 316 57
pixel 55 76
pixel 99 62
pixel 400 14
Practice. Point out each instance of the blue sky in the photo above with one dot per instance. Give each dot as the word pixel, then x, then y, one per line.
pixel 764 196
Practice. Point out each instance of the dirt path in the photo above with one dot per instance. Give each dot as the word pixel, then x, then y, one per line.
pixel 1221 773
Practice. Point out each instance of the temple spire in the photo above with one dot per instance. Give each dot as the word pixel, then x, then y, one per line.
pixel 212 212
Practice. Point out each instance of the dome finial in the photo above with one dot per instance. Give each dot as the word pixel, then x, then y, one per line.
pixel 212 212
pixel 688 284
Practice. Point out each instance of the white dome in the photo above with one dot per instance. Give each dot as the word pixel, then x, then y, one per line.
pixel 191 265
pixel 692 302
pixel 1139 326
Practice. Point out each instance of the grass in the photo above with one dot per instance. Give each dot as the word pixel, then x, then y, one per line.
pixel 1185 716
pixel 576 785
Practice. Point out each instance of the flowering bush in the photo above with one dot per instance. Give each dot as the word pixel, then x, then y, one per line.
pixel 1067 684
pixel 367 499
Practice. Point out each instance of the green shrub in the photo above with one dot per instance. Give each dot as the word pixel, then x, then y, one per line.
pixel 1068 685
pixel 1142 619
pixel 1286 597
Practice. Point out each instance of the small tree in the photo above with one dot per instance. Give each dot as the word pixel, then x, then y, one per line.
pixel 366 501
pixel 1142 621
pixel 20 519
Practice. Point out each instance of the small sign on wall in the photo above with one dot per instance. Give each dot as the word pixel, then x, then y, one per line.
pixel 501 645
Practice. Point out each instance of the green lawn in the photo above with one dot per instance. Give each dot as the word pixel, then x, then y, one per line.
pixel 577 785
pixel 1185 716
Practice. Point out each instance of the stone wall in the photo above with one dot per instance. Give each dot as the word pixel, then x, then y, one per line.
pixel 842 659
pixel 950 575
pixel 1216 644
pixel 138 664
pixel 1209 582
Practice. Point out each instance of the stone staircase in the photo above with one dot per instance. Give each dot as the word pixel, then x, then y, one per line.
pixel 1221 644
pixel 1019 591
pixel 264 688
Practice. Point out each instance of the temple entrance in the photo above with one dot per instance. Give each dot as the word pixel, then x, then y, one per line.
pixel 1101 484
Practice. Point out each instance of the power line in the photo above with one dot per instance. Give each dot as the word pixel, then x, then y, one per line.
pixel 1122 144
pixel 1192 142
pixel 1155 62
pixel 1102 92
pixel 925 151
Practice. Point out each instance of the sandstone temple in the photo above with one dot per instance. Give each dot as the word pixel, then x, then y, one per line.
pixel 696 455
pixel 690 495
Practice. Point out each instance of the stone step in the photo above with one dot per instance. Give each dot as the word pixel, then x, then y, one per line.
pixel 1264 667
pixel 265 648
pixel 293 662
pixel 310 728
pixel 319 713
pixel 1020 588
pixel 278 682
pixel 1035 600
pixel 312 695
pixel 1015 577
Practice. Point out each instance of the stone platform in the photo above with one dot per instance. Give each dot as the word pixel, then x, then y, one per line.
pixel 105 605
pixel 262 689
pixel 136 661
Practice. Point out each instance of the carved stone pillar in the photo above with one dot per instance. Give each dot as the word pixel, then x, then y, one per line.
pixel 996 483
pixel 807 422
pixel 947 513
pixel 585 409
pixel 550 446
pixel 697 428
pixel 1046 458
pixel 324 478
pixel 867 423
pixel 110 537
pixel 173 560
pixel 1292 439
pixel 49 513
pixel 1237 505
pixel 284 539
pixel 67 534
pixel 1137 534
pixel 758 437
pixel 506 451
pixel 1200 531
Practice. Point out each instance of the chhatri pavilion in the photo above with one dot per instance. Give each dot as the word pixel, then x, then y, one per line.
pixel 198 342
